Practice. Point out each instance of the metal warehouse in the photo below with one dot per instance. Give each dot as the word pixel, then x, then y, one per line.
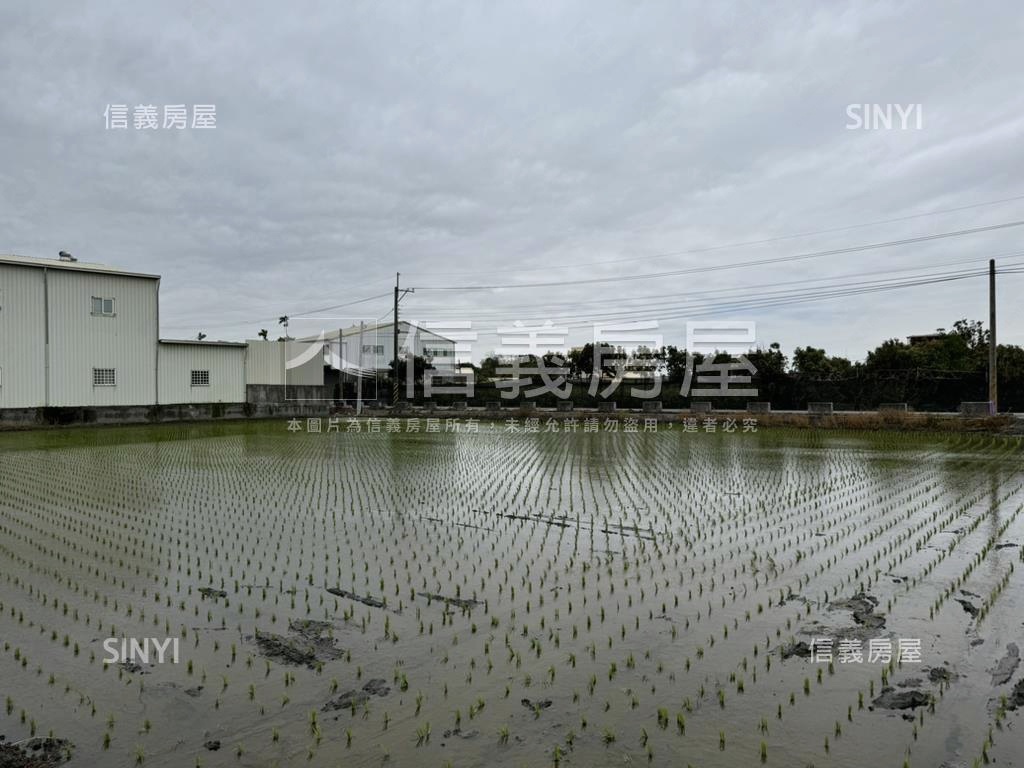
pixel 201 372
pixel 76 335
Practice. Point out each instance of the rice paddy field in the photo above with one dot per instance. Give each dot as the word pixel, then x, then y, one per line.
pixel 443 599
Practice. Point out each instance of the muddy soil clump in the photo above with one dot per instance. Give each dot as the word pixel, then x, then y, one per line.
pixel 35 753
pixel 1006 666
pixel 863 608
pixel 353 699
pixel 305 644
pixel 891 699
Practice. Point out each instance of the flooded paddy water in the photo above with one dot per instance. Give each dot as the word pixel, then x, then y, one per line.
pixel 437 599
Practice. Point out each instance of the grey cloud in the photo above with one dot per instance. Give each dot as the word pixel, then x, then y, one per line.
pixel 355 140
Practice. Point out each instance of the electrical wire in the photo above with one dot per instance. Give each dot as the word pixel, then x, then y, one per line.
pixel 733 265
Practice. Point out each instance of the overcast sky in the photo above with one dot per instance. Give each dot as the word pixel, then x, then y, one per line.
pixel 469 144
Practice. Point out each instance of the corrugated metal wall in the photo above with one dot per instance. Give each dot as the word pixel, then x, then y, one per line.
pixel 225 364
pixel 383 336
pixel 81 341
pixel 22 337
pixel 265 364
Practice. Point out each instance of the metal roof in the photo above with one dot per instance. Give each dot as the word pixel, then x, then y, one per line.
pixel 205 343
pixel 353 330
pixel 72 266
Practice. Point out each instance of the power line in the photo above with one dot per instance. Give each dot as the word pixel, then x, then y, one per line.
pixel 511 310
pixel 767 302
pixel 745 243
pixel 733 265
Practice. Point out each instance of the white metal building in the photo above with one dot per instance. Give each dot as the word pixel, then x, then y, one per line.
pixel 293 363
pixel 76 334
pixel 376 351
pixel 201 372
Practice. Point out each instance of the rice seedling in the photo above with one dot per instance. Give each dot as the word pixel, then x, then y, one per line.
pixel 524 587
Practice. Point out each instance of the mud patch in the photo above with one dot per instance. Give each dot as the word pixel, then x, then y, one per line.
pixel 801 649
pixel 305 644
pixel 458 602
pixel 1016 698
pixel 891 699
pixel 863 608
pixel 536 706
pixel 459 733
pixel 353 699
pixel 1006 666
pixel 372 602
pixel 968 606
pixel 35 753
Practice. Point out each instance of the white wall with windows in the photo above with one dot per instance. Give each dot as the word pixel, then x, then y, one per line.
pixel 102 338
pixel 378 346
pixel 193 372
pixel 75 334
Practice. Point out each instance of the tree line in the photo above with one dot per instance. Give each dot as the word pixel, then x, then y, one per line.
pixel 935 372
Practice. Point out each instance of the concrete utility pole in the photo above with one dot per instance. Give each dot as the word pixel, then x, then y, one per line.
pixel 398 295
pixel 359 373
pixel 993 366
pixel 394 369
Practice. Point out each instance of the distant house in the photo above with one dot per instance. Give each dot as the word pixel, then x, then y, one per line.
pixel 371 349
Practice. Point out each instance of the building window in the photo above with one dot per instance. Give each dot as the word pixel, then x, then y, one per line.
pixel 104 377
pixel 373 349
pixel 200 378
pixel 438 352
pixel 102 307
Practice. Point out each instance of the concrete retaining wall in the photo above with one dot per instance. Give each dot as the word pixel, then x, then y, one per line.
pixel 280 394
pixel 22 418
pixel 980 408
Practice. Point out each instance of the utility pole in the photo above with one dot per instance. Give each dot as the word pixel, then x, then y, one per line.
pixel 394 369
pixel 399 293
pixel 359 373
pixel 993 368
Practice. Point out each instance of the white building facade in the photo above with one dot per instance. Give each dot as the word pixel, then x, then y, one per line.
pixel 75 334
pixel 371 348
pixel 80 335
pixel 194 372
pixel 284 363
